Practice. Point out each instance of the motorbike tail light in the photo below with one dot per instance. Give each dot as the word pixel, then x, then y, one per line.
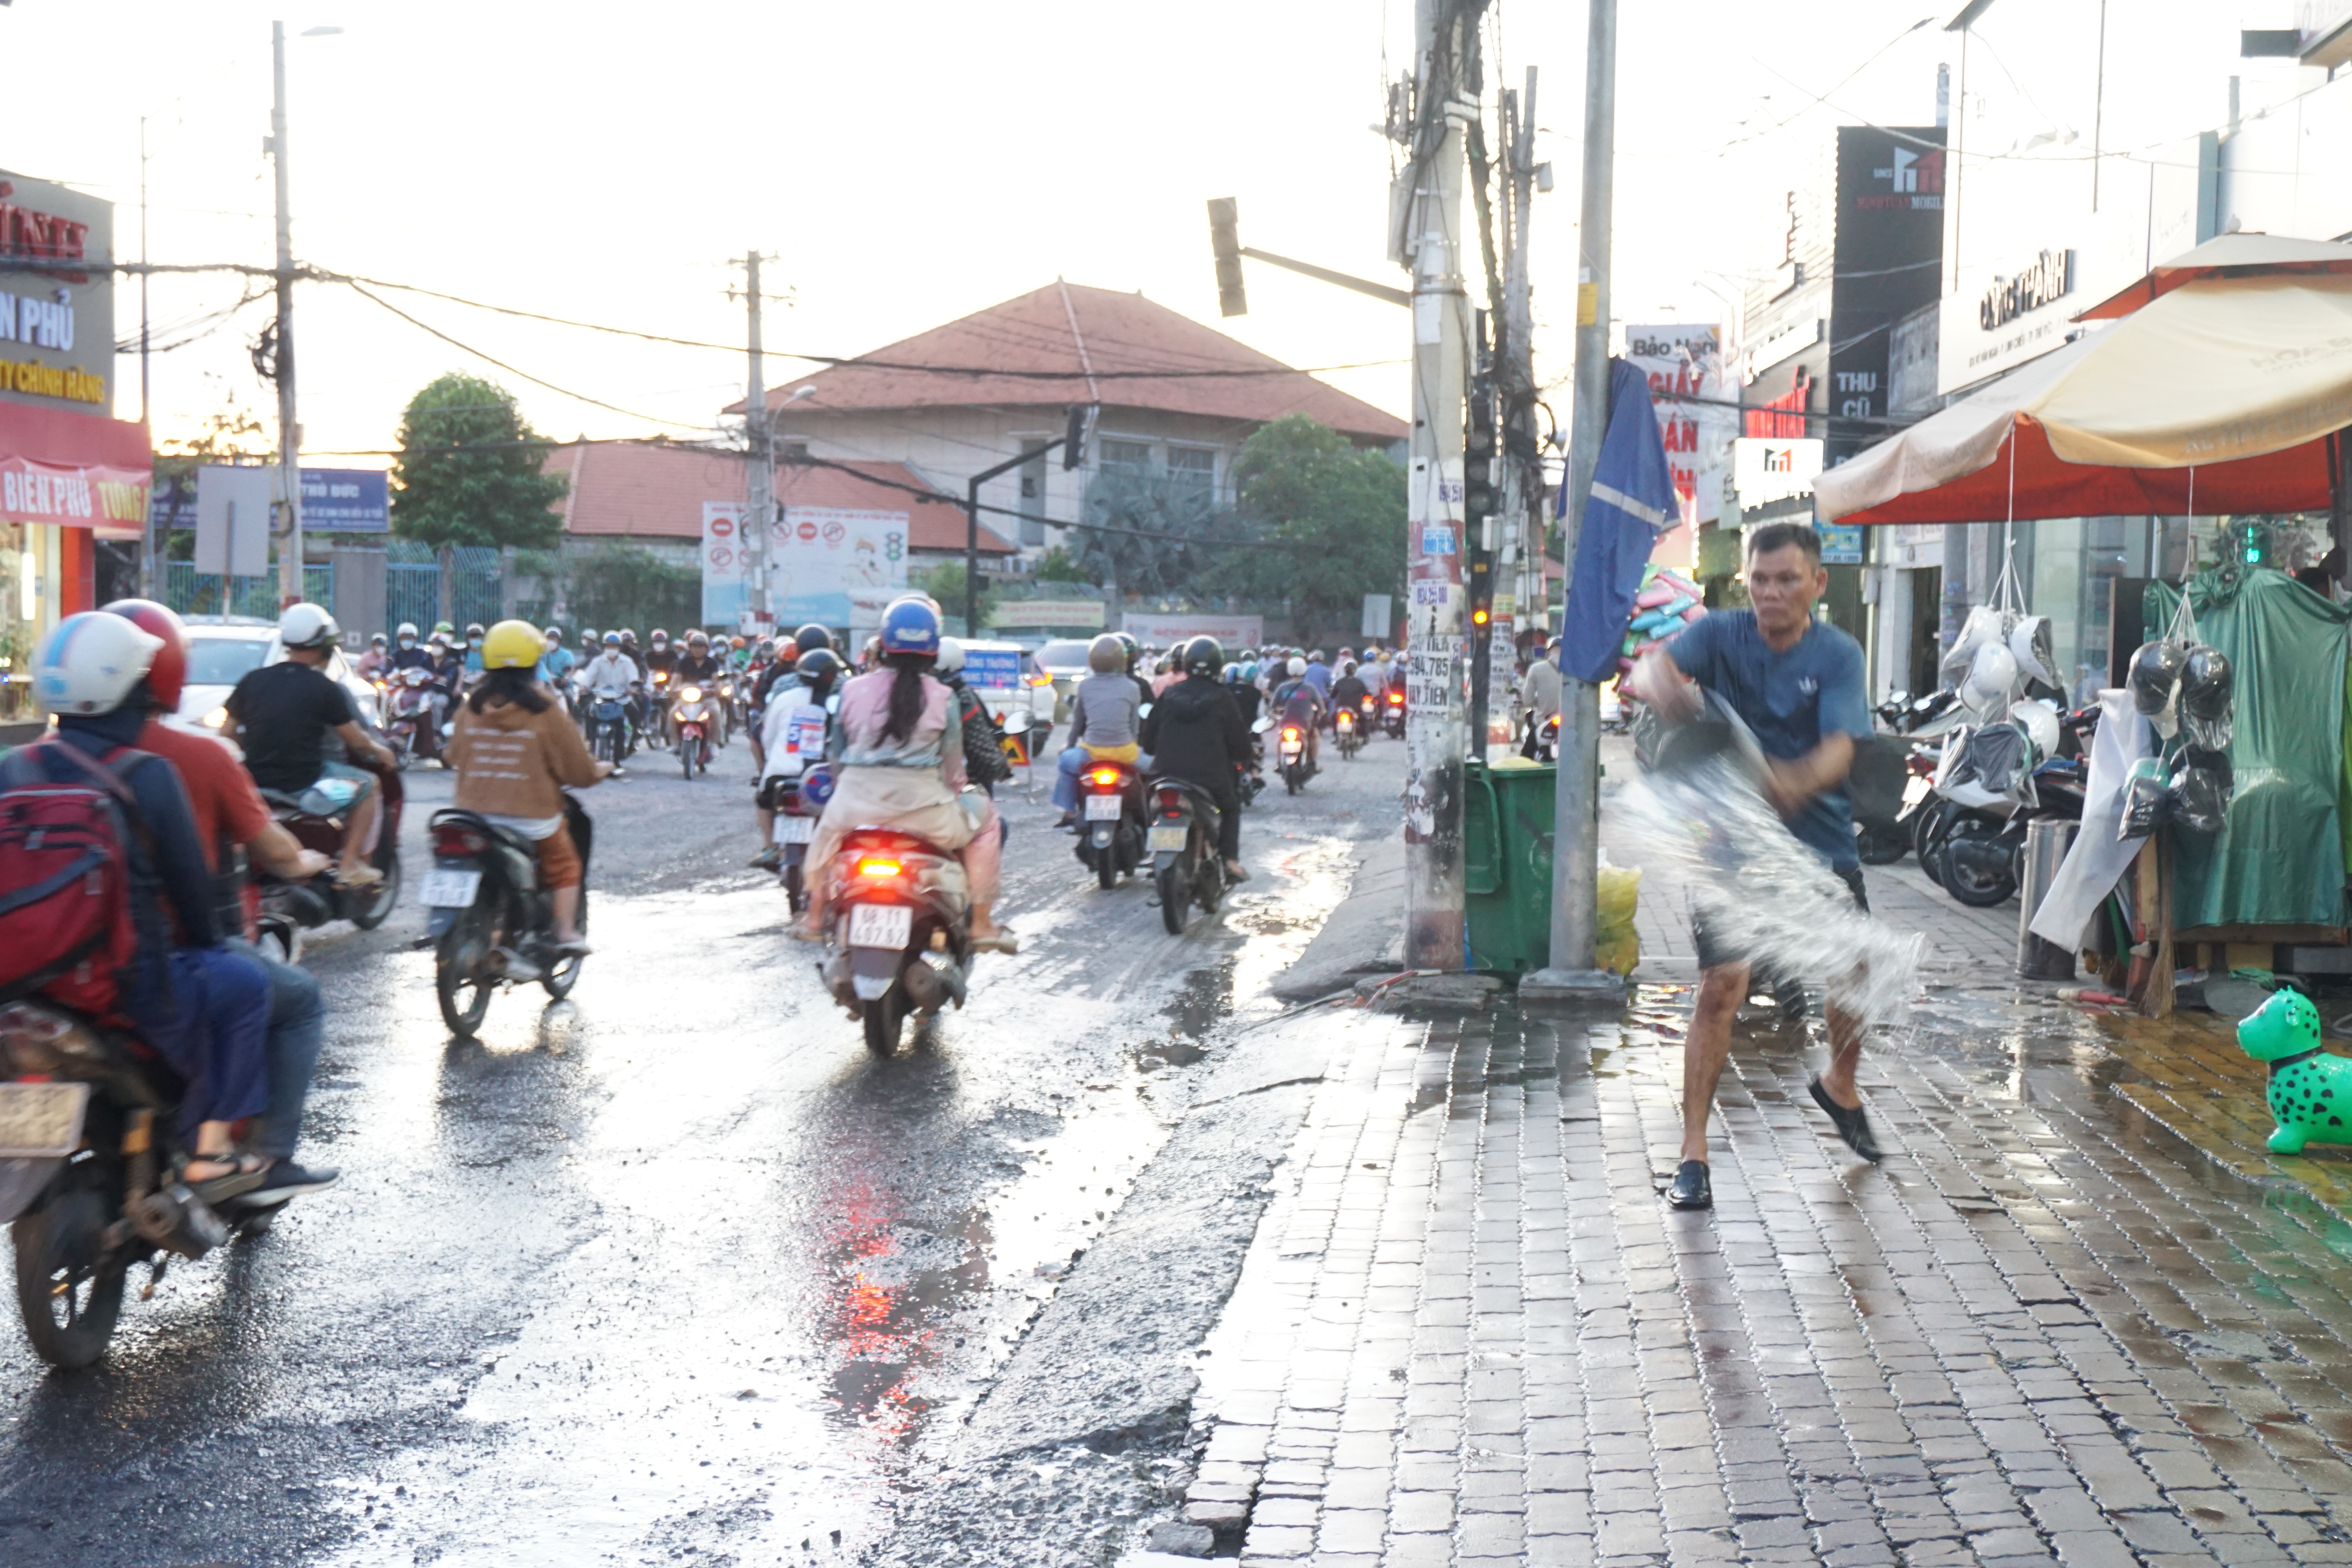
pixel 1396 698
pixel 1106 777
pixel 456 838
pixel 874 865
pixel 1288 733
pixel 1171 800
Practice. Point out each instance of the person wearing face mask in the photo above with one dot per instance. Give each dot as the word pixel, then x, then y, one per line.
pixel 374 664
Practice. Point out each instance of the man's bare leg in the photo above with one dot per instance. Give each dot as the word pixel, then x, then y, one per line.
pixel 1721 990
pixel 358 829
pixel 1845 1056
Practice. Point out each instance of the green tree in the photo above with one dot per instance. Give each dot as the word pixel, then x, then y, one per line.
pixel 1337 510
pixel 1058 566
pixel 944 583
pixel 1148 531
pixel 470 472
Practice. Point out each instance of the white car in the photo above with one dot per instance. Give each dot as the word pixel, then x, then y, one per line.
pixel 221 652
pixel 1020 697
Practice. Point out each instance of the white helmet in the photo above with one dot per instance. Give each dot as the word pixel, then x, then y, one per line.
pixel 92 661
pixel 950 658
pixel 1297 667
pixel 308 625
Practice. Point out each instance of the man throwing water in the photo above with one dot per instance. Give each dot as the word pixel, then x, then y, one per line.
pixel 1798 684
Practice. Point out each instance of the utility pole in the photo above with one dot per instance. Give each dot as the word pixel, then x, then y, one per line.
pixel 150 570
pixel 1523 487
pixel 289 432
pixel 758 431
pixel 1434 937
pixel 1576 804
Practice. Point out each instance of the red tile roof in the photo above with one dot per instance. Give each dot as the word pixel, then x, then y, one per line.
pixel 1068 329
pixel 649 490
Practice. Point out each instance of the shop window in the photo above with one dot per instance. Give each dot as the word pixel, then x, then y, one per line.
pixel 1130 457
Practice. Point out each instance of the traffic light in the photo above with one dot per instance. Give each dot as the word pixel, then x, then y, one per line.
pixel 1481 590
pixel 1225 243
pixel 1073 438
pixel 1478 441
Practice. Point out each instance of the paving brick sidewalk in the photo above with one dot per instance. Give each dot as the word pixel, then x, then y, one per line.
pixel 2047 1329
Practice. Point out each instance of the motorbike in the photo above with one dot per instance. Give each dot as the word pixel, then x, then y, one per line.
pixel 86 1115
pixel 1543 744
pixel 1392 710
pixel 1290 744
pixel 1182 841
pixel 1884 840
pixel 492 924
pixel 1348 732
pixel 729 715
pixel 611 737
pixel 694 720
pixel 1368 720
pixel 409 728
pixel 289 909
pixel 1110 825
pixel 898 932
pixel 799 803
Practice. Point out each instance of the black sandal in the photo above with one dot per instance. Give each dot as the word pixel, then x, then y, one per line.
pixel 245 1171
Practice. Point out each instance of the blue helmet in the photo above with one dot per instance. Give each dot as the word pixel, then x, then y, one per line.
pixel 816 785
pixel 910 626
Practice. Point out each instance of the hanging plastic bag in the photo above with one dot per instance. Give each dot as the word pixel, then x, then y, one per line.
pixel 2029 644
pixel 1981 627
pixel 2155 682
pixel 2145 799
pixel 2207 698
pixel 1990 685
pixel 2199 792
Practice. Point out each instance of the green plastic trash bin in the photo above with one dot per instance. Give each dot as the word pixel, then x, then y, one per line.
pixel 1506 823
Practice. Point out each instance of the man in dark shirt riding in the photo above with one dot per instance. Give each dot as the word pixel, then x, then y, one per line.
pixel 282 715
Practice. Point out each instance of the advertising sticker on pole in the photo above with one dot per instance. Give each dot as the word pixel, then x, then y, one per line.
pixel 1697 436
pixel 726 564
pixel 836 566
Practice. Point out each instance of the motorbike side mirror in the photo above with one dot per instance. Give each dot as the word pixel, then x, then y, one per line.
pixel 1143 710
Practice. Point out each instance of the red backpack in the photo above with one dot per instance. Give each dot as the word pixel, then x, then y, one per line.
pixel 67 930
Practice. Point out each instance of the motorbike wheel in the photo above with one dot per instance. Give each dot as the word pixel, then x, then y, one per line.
pixel 1880 844
pixel 464 998
pixel 795 893
pixel 378 909
pixel 884 1017
pixel 68 1295
pixel 1175 894
pixel 686 761
pixel 1978 890
pixel 558 981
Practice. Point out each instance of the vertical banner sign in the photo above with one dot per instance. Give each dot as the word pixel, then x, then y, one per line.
pixel 726 568
pixel 1688 362
pixel 1890 249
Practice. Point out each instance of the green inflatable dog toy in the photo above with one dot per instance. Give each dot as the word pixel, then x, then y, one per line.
pixel 2311 1091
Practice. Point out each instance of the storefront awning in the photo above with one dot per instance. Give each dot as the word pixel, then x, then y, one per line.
pixel 78 470
pixel 2217 397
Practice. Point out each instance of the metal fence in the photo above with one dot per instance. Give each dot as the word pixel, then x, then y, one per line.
pixel 193 593
pixel 412 585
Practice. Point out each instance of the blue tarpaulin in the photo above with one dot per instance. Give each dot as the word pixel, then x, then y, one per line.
pixel 1632 498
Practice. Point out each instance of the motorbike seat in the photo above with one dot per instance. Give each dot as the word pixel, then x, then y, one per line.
pixel 280 799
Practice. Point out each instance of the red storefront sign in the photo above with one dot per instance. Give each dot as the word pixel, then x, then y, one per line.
pixel 77 470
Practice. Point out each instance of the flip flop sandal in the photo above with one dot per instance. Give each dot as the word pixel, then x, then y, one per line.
pixel 245 1173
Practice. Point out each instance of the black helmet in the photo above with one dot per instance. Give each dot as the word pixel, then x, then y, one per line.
pixel 811 638
pixel 817 664
pixel 1134 648
pixel 1204 656
pixel 2205 683
pixel 2155 677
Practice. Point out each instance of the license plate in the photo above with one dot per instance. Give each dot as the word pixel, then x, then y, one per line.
pixel 880 925
pixel 1169 837
pixel 41 1121
pixel 1105 807
pixel 443 889
pixel 795 829
pixel 1291 753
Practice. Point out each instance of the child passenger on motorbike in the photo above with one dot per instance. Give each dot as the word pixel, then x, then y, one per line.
pixel 901 767
pixel 515 753
pixel 1104 723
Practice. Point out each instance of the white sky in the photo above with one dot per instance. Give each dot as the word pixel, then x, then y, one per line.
pixel 906 163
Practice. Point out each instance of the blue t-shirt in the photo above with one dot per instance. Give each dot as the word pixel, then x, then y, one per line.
pixel 1790 700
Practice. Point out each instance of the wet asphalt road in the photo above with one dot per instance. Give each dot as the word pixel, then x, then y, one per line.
pixel 675 1270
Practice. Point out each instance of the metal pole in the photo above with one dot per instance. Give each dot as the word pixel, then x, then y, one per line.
pixel 149 570
pixel 1434 936
pixel 289 431
pixel 972 527
pixel 1576 804
pixel 759 426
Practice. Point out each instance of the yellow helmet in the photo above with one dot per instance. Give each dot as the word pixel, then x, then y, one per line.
pixel 513 645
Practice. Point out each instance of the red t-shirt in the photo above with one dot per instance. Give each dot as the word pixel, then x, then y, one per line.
pixel 226 805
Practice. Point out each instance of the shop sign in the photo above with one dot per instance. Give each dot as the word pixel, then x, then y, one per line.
pixel 346 500
pixel 1697 436
pixel 57 323
pixel 829 564
pixel 1766 469
pixel 1841 543
pixel 111 500
pixel 2045 280
pixel 1168 630
pixel 1782 342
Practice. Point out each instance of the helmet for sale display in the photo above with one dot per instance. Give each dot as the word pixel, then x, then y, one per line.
pixel 169 673
pixel 813 635
pixel 817 666
pixel 950 656
pixel 2040 722
pixel 2145 799
pixel 92 661
pixel 910 626
pixel 2200 798
pixel 307 625
pixel 2029 644
pixel 2155 682
pixel 511 645
pixel 1204 656
pixel 2205 683
pixel 1991 681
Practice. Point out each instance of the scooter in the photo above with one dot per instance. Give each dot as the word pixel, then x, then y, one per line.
pixel 1185 865
pixel 1346 730
pixel 694 720
pixel 1392 710
pixel 88 1117
pixel 1290 744
pixel 492 923
pixel 611 737
pixel 409 728
pixel 898 932
pixel 799 803
pixel 288 909
pixel 1111 825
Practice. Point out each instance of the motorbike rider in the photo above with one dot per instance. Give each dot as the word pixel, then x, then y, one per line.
pixel 556 662
pixel 1240 682
pixel 612 675
pixel 448 675
pixel 282 714
pixel 200 1004
pixel 1104 723
pixel 805 692
pixel 899 769
pixel 1318 675
pixel 1349 692
pixel 516 752
pixel 229 814
pixel 406 652
pixel 1195 732
pixel 1539 695
pixel 376 662
pixel 660 658
pixel 1299 701
pixel 983 742
pixel 470 645
pixel 1134 656
pixel 695 661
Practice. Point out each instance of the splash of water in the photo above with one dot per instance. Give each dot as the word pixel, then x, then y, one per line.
pixel 1762 892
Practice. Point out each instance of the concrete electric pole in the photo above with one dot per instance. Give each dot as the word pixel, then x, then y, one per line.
pixel 1577 820
pixel 1434 669
pixel 758 430
pixel 289 430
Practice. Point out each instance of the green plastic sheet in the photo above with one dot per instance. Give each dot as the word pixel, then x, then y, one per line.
pixel 2280 858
